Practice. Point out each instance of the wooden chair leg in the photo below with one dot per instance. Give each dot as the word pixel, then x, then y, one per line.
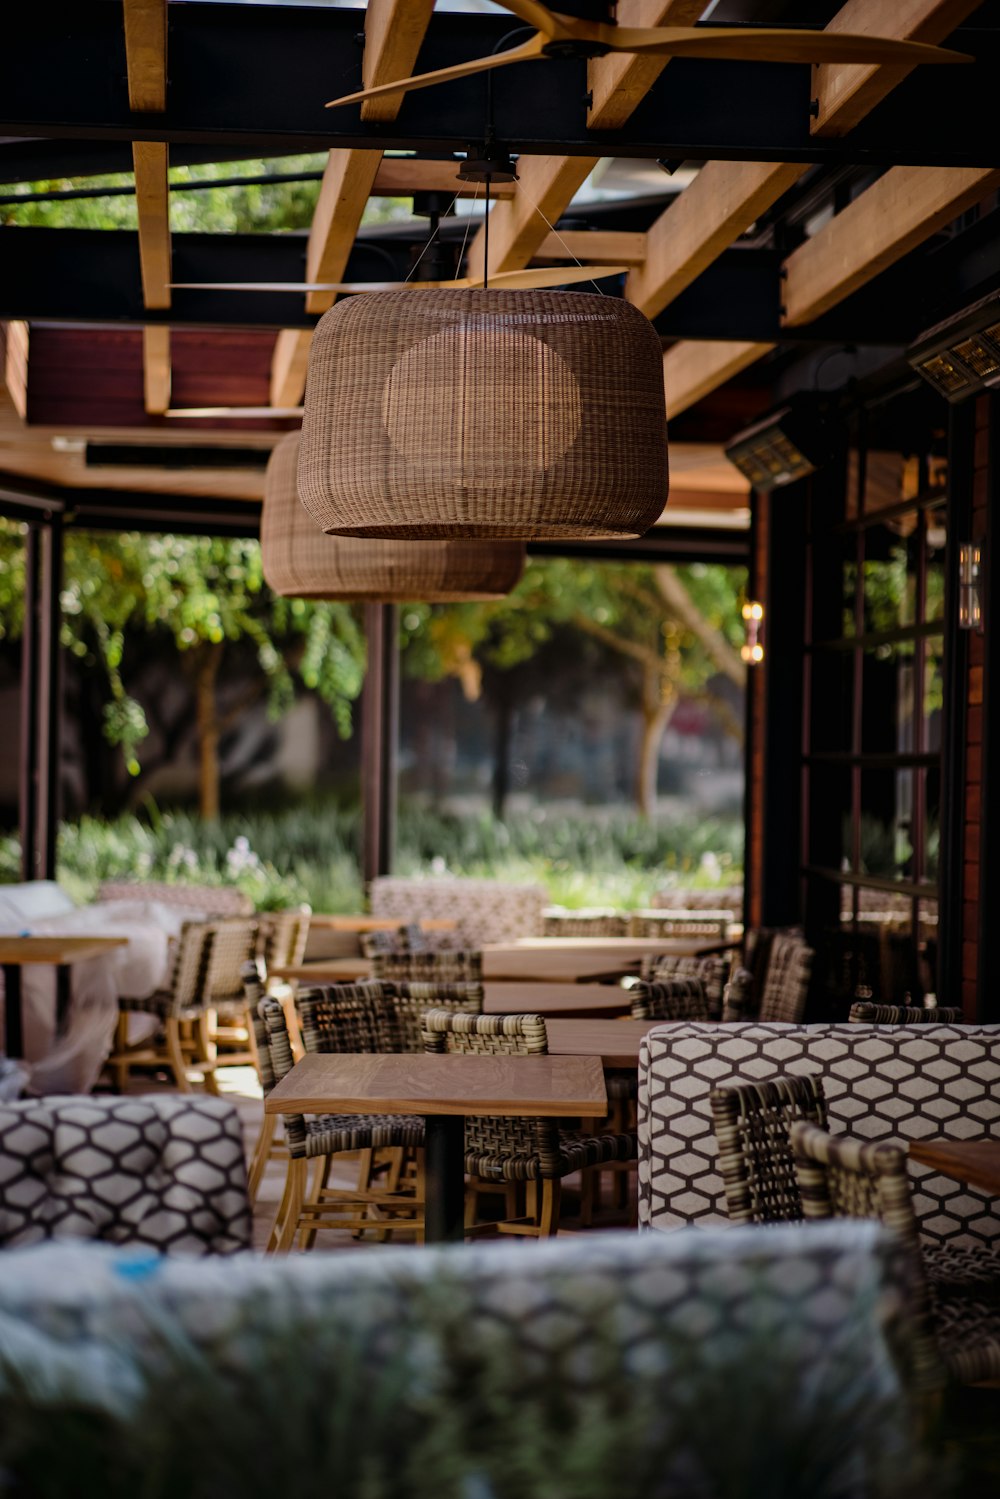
pixel 205 1050
pixel 261 1156
pixel 295 1193
pixel 421 1196
pixel 531 1200
pixel 321 1176
pixel 175 1054
pixel 548 1220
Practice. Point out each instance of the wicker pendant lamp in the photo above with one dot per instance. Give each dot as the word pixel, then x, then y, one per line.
pixel 484 413
pixel 300 562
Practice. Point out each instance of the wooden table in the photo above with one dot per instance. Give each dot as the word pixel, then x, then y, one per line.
pixel 58 952
pixel 616 1042
pixel 590 1000
pixel 323 971
pixel 340 923
pixel 579 959
pixel 976 1163
pixel 445 1090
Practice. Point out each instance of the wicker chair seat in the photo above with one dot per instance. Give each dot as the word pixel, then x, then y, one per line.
pixel 968 1335
pixel 575 1151
pixel 963 1272
pixel 326 1133
pixel 148 1004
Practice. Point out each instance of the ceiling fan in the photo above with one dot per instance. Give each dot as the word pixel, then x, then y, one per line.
pixel 558 35
pixel 505 280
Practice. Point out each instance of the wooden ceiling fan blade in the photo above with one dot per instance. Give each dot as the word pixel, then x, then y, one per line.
pixel 530 51
pixel 776 44
pixel 286 286
pixel 543 276
pixel 533 14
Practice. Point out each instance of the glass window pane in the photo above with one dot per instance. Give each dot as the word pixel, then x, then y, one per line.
pixel 890 479
pixel 932 824
pixel 887 713
pixel 890 574
pixel 933 694
pixel 935 552
pixel 831 700
pixel 830 819
pixel 927 946
pixel 887 824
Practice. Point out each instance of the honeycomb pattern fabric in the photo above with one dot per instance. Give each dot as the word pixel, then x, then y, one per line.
pixel 167 1172
pixel 892 1083
pixel 485 910
pixel 666 1325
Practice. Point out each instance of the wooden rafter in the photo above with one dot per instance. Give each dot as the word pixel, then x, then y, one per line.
pixel 595 246
pixel 620 81
pixel 399 176
pixel 145 23
pixel 692 370
pixel 846 92
pixel 898 213
pixel 723 200
pixel 394 30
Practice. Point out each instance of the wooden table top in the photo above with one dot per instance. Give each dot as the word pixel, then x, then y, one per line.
pixel 975 1162
pixel 348 923
pixel 57 950
pixel 323 970
pixel 360 1083
pixel 537 998
pixel 616 1042
pixel 577 959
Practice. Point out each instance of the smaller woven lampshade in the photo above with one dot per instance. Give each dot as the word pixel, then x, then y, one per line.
pixel 300 562
pixel 516 414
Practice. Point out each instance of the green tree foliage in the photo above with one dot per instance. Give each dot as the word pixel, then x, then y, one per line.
pixel 207 594
pixel 680 627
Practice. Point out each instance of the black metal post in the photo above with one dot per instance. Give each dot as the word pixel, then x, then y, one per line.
pixel 49 698
pixel 29 708
pixel 13 1033
pixel 379 740
pixel 444 1174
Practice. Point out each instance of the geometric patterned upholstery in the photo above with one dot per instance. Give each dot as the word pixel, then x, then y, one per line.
pixel 881 1082
pixel 485 910
pixel 164 1171
pixel 206 900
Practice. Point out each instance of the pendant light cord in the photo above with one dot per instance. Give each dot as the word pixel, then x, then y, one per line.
pixel 486 240
pixel 555 231
pixel 431 238
pixel 465 241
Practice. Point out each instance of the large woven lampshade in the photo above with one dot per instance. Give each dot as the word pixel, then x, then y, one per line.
pixel 484 413
pixel 300 562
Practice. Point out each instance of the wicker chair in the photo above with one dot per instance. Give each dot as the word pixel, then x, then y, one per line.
pixel 529 1150
pixel 183 1038
pixel 713 926
pixel 282 936
pixel 713 971
pixel 268 1146
pixel 956 1311
pixel 785 988
pixel 752 1123
pixel 669 999
pixel 327 1135
pixel 596 921
pixel 457 966
pixel 870 1014
pixel 236 942
pixel 404 939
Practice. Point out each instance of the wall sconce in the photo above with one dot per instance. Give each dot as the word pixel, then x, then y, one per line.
pixel 753 651
pixel 961 355
pixel 970 586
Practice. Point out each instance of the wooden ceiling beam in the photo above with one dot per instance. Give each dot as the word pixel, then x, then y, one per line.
pixel 895 215
pixel 845 92
pixel 399 176
pixel 620 81
pixel 692 370
pixel 394 32
pixel 145 23
pixel 595 246
pixel 721 203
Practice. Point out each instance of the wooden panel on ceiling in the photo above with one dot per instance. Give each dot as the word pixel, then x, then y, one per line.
pixel 845 92
pixel 146 53
pixel 691 370
pixel 156 368
pixel 714 210
pixel 594 246
pixel 289 363
pixel 620 81
pixel 343 195
pixel 399 176
pixel 895 215
pixel 15 371
pixel 152 198
pixel 394 31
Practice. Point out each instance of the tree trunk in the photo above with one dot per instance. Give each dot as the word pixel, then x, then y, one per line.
pixel 654 725
pixel 209 731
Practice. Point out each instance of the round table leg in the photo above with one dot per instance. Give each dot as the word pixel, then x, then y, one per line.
pixel 444 1173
